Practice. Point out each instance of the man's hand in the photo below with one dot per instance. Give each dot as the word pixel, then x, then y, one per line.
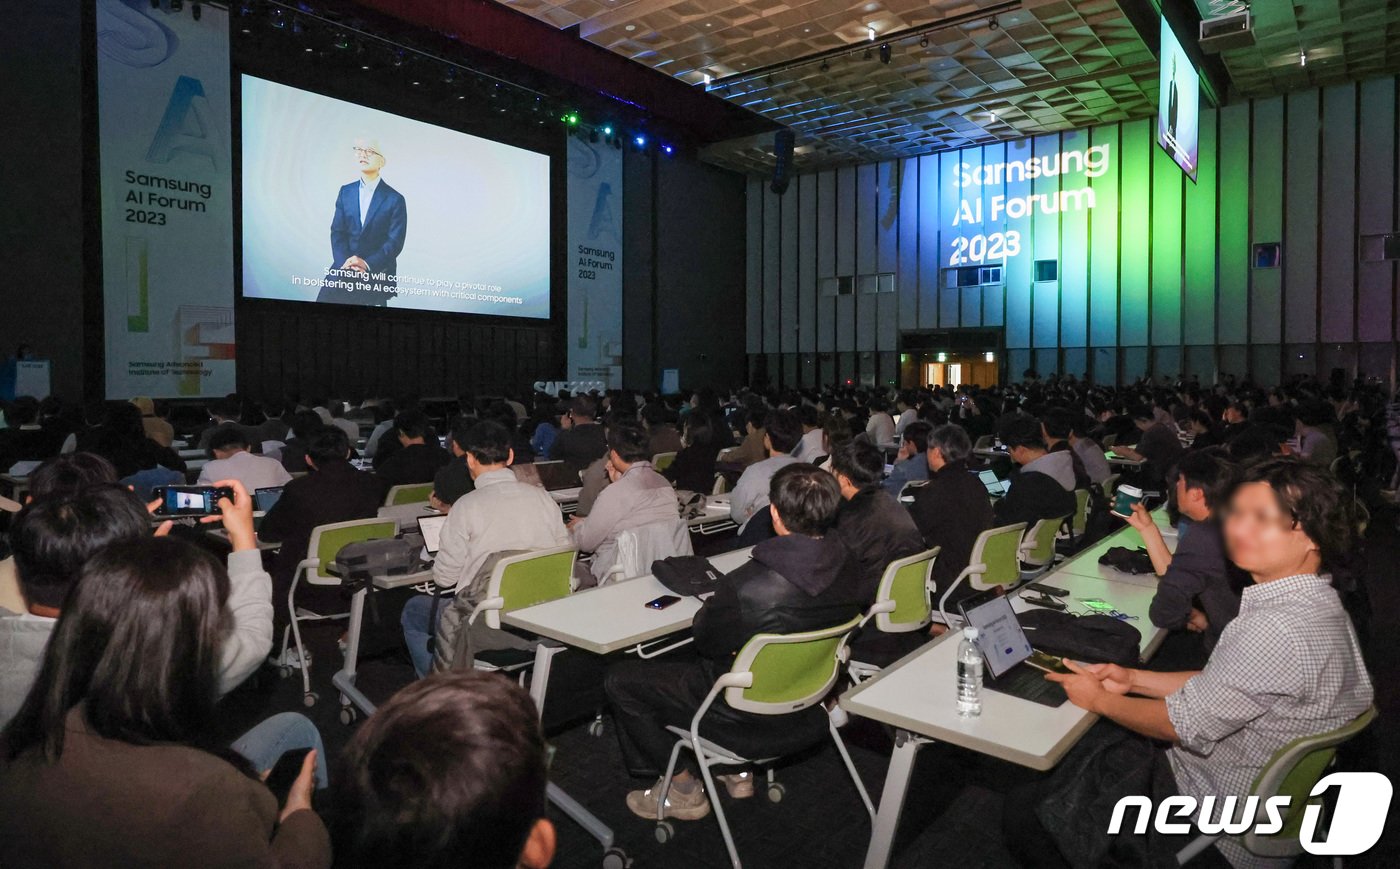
pixel 1115 679
pixel 299 797
pixel 1085 689
pixel 1127 453
pixel 438 504
pixel 573 522
pixel 1197 623
pixel 163 528
pixel 355 264
pixel 237 516
pixel 1141 519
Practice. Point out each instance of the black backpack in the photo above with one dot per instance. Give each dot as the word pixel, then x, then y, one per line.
pixel 1093 639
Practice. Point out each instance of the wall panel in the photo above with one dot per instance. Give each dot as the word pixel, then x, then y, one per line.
pixel 1300 221
pixel 806 263
pixel 1266 219
pixel 1376 209
pixel 1337 248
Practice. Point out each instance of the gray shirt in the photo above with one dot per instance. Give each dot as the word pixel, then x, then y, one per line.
pixel 751 492
pixel 1288 666
pixel 639 497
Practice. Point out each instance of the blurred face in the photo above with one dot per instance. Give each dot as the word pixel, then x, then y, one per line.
pixel 1263 539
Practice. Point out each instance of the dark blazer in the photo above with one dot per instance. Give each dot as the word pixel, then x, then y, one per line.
pixel 875 529
pixel 378 242
pixel 334 493
pixel 415 463
pixel 694 468
pixel 580 446
pixel 950 512
pixel 110 803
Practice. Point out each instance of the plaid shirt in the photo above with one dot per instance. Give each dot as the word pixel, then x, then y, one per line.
pixel 1288 666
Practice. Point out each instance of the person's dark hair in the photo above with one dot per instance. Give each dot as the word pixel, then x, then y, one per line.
pixel 654 414
pixel 228 436
pixel 53 538
pixel 67 475
pixel 784 431
pixel 836 429
pixel 1058 422
pixel 952 441
pixel 138 645
pixel 23 411
pixel 584 407
pixel 805 498
pixel 917 433
pixel 629 440
pixel 808 416
pixel 412 424
pixel 1211 471
pixel 305 423
pixel 859 461
pixel 1314 499
pixel 273 408
pixel 460 428
pixel 698 430
pixel 488 442
pixel 328 444
pixel 1023 431
pixel 450 772
pixel 1143 412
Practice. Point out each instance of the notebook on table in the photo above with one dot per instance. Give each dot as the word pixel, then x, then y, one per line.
pixel 1006 651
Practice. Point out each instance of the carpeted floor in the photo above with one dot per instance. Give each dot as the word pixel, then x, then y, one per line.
pixel 955 803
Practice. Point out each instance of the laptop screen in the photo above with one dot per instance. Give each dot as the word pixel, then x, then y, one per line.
pixel 999 636
pixel 431 529
pixel 995 487
pixel 263 499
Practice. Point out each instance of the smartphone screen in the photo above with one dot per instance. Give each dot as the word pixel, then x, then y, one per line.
pixel 662 602
pixel 190 500
pixel 1049 663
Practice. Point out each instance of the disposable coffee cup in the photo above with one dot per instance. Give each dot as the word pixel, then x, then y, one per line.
pixel 1125 499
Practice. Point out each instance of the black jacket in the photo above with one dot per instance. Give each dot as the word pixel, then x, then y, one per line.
pixel 1033 496
pixel 415 463
pixel 875 529
pixel 794 583
pixel 579 446
pixel 950 512
pixel 336 492
pixel 694 468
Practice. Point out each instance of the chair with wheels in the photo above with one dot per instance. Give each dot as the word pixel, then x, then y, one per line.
pixel 773 674
pixel 1109 441
pixel 995 561
pixel 985 442
pixel 519 581
pixel 1292 772
pixel 661 461
pixel 314 569
pixel 903 603
pixel 411 494
pixel 721 485
pixel 1037 550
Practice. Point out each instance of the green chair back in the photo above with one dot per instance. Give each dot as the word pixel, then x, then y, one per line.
pixel 1292 772
pixel 1039 541
pixel 790 671
pixel 1081 512
pixel 328 540
pixel 662 461
pixel 907 583
pixel 998 549
pixel 1110 484
pixel 536 577
pixel 408 494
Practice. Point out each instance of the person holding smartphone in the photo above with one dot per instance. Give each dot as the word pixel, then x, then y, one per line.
pixel 112 757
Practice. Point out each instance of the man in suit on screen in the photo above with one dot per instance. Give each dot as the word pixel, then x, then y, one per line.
pixel 367 234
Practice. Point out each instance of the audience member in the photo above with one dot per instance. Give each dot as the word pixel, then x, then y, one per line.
pixel 450 772
pixel 147 457
pixel 157 429
pixel 797 581
pixel 911 463
pixel 233 461
pixel 753 449
pixel 694 467
pixel 953 509
pixel 662 436
pixel 1043 488
pixel 1090 452
pixel 501 514
pixel 880 427
pixel 781 432
pixel 454 479
pixel 419 457
pixel 637 496
pixel 1157 444
pixel 109 759
pixel 810 447
pixel 581 440
pixel 870 523
pixel 305 425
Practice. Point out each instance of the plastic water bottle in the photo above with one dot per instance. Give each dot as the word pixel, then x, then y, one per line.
pixel 969 675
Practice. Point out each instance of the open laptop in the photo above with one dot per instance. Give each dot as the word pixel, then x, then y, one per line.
pixel 995 486
pixel 264 499
pixel 550 476
pixel 431 529
pixel 1005 650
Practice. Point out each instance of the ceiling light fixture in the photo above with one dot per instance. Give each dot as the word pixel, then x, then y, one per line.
pixel 923 41
pixel 1302 58
pixel 885 53
pixel 992 23
pixel 870 30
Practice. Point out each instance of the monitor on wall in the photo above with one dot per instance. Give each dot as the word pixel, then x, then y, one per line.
pixel 1178 104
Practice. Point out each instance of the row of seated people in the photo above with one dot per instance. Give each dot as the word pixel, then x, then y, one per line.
pixel 809 572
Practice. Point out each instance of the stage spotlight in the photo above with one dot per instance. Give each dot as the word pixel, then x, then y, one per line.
pixel 342 41
pixel 826 66
pixel 992 23
pixel 640 142
pixel 667 150
pixel 279 19
pixel 570 119
pixel 923 41
pixel 398 59
pixel 885 53
pixel 607 130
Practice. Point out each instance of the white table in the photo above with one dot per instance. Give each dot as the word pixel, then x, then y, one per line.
pixel 567 499
pixel 715 519
pixel 916 696
pixel 602 620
